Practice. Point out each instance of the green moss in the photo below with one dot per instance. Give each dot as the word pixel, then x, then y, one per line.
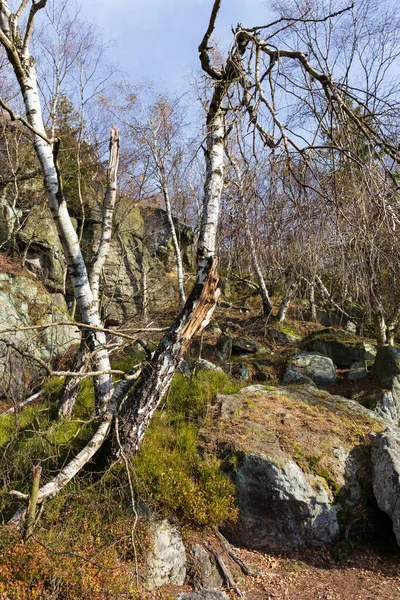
pixel 333 486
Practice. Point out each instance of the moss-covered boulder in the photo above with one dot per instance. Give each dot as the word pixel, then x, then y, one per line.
pixel 282 334
pixel 300 459
pixel 387 364
pixel 339 345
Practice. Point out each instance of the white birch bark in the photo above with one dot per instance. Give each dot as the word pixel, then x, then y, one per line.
pixel 138 408
pixel 24 68
pixel 175 243
pixel 287 299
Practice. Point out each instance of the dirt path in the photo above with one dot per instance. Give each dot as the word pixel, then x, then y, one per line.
pixel 313 575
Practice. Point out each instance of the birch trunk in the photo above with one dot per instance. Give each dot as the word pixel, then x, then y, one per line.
pixel 138 408
pixel 380 327
pixel 175 243
pixel 24 68
pixel 313 307
pixel 286 303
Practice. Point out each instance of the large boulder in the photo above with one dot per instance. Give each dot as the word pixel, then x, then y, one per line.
pixel 315 366
pixel 282 334
pixel 386 475
pixel 223 348
pixel 25 303
pixel 166 557
pixel 281 507
pixel 299 458
pixel 339 345
pixel 387 364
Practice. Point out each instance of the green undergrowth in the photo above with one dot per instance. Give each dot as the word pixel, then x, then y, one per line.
pixel 82 545
pixel 171 473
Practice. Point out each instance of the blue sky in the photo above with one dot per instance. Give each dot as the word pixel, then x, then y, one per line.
pixel 157 40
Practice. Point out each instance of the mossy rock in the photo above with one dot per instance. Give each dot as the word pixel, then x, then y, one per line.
pixel 283 334
pixel 387 364
pixel 341 346
pixel 299 451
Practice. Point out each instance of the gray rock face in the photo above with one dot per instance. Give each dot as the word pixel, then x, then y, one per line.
pixel 386 475
pixel 203 595
pixel 206 365
pixel 387 364
pixel 358 370
pixel 23 303
pixel 281 507
pixel 143 246
pixel 283 335
pixel 293 376
pixel 340 346
pixel 294 462
pixel 205 574
pixel 388 408
pixel 166 560
pixel 319 368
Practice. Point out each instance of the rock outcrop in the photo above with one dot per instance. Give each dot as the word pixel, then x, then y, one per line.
pixel 204 571
pixel 339 345
pixel 24 303
pixel 166 558
pixel 141 254
pixel 387 364
pixel 386 475
pixel 300 460
pixel 203 595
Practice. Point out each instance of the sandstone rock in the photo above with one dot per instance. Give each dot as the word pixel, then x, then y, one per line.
pixel 388 407
pixel 166 560
pixel 261 372
pixel 281 507
pixel 293 376
pixel 319 368
pixel 387 364
pixel 205 574
pixel 143 246
pixel 213 327
pixel 386 475
pixel 223 348
pixel 206 365
pixel 283 335
pixel 23 303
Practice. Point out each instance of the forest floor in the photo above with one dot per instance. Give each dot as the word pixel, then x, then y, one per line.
pixel 365 574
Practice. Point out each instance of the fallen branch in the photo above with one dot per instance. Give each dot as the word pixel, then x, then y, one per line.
pixel 230 583
pixel 246 569
pixel 18 407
